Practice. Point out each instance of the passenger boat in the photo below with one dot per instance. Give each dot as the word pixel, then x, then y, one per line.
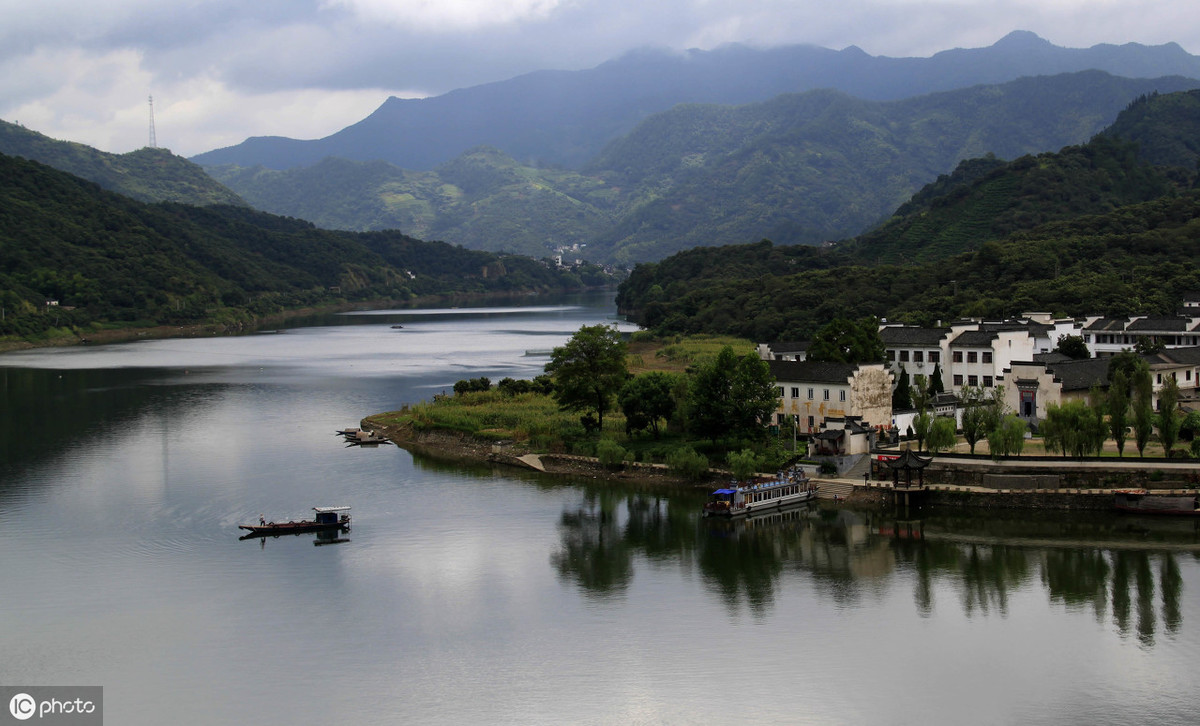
pixel 325 518
pixel 1140 501
pixel 741 500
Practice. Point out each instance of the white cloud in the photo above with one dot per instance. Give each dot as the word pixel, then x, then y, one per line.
pixel 447 15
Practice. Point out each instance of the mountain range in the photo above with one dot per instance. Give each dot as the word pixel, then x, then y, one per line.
pixel 565 118
pixel 799 168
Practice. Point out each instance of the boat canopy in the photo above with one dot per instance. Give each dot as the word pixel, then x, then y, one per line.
pixel 319 510
pixel 725 491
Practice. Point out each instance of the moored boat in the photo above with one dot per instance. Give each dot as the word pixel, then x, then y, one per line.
pixel 1140 501
pixel 740 500
pixel 324 519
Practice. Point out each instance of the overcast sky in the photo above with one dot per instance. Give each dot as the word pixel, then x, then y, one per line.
pixel 223 70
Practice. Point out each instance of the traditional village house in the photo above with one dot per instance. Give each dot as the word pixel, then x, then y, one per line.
pixel 919 351
pixel 843 436
pixel 978 357
pixel 784 350
pixel 1109 336
pixel 813 391
pixel 1031 386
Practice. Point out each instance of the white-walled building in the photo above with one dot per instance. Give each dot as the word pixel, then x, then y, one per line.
pixel 815 391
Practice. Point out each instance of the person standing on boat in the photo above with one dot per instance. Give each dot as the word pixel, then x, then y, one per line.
pixel 262 521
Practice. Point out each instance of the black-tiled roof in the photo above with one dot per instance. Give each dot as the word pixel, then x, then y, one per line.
pixel 790 371
pixel 1174 324
pixel 1079 375
pixel 1177 356
pixel 974 339
pixel 910 336
pixel 1117 324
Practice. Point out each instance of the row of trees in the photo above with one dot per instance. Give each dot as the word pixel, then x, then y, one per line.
pixel 1074 428
pixel 1080 428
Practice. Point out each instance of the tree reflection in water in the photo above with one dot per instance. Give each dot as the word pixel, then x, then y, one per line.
pixel 1129 574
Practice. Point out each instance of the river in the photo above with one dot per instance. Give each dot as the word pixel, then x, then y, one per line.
pixel 480 595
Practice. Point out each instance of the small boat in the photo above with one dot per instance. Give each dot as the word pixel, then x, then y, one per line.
pixel 397 327
pixel 326 518
pixel 1140 501
pixel 360 437
pixel 740 500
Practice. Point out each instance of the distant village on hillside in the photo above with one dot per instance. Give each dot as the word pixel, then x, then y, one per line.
pixel 847 407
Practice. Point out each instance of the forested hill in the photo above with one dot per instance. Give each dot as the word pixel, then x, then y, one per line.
pixel 108 259
pixel 1091 229
pixel 149 175
pixel 1137 259
pixel 1166 128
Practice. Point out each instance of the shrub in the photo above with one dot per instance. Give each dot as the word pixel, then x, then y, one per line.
pixel 611 454
pixel 687 463
pixel 743 464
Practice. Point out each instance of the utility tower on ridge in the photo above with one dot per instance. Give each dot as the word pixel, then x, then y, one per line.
pixel 153 140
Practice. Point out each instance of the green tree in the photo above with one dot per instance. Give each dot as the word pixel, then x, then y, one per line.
pixel 1143 409
pixel 981 413
pixel 902 396
pixel 1008 438
pixel 1073 346
pixel 942 435
pixel 743 464
pixel 1074 428
pixel 935 381
pixel 731 395
pixel 1118 409
pixel 1147 346
pixel 920 393
pixel 847 341
pixel 921 426
pixel 646 399
pixel 1169 416
pixel 589 370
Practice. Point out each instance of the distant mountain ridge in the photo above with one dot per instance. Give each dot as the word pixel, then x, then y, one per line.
pixel 807 167
pixel 147 175
pixel 565 118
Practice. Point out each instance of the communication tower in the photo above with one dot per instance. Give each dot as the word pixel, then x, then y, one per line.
pixel 153 140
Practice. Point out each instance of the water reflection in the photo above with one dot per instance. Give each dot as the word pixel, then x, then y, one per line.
pixel 1122 570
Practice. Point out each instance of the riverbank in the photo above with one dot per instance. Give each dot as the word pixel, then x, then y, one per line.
pixel 453 446
pixel 962 483
pixel 211 329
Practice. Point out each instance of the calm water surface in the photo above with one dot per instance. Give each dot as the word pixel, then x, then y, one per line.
pixel 473 595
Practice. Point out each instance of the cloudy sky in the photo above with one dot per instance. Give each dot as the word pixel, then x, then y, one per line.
pixel 223 70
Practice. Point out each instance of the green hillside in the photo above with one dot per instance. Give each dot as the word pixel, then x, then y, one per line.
pixel 107 259
pixel 1091 229
pixel 148 175
pixel 821 166
pixel 482 200
pixel 1166 128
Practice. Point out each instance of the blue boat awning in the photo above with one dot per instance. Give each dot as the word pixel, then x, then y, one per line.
pixel 725 491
